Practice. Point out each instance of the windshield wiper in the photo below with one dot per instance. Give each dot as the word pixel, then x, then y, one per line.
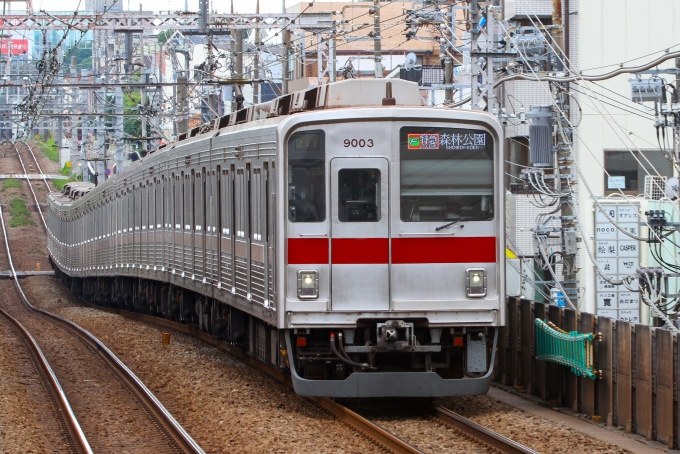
pixel 455 221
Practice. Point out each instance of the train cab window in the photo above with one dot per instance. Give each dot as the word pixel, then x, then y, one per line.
pixel 359 195
pixel 307 177
pixel 445 174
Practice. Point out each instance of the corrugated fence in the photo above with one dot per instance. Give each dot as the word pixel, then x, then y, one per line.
pixel 639 367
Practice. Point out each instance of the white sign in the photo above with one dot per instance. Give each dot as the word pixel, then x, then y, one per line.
pixel 617 256
pixel 605 232
pixel 628 214
pixel 607 300
pixel 608 266
pixel 633 229
pixel 604 285
pixel 628 249
pixel 606 248
pixel 616 183
pixel 611 313
pixel 630 316
pixel 629 300
pixel 600 217
pixel 628 265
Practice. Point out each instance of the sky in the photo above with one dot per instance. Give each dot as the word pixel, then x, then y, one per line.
pixel 222 6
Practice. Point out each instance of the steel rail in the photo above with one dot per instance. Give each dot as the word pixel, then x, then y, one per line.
pixel 168 423
pixel 76 436
pixel 480 433
pixel 42 174
pixel 382 437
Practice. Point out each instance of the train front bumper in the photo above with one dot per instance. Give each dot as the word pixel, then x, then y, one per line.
pixel 393 384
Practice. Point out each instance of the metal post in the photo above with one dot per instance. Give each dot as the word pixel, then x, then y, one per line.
pixel 319 59
pixel 142 91
pixel 331 60
pixel 490 40
pixel 285 62
pixel 474 47
pixel 238 72
pixel 448 63
pixel 128 52
pixel 183 103
pixel 377 51
pixel 256 60
pixel 203 16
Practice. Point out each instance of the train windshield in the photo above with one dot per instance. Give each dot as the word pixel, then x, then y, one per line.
pixel 446 174
pixel 307 177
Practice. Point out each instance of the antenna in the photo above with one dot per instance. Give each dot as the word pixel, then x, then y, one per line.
pixel 410 61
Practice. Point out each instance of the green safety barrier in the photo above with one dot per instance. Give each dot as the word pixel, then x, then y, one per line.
pixel 573 349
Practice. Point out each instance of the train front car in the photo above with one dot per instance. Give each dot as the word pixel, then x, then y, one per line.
pixel 394 234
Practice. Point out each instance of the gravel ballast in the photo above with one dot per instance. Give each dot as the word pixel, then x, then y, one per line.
pixel 225 405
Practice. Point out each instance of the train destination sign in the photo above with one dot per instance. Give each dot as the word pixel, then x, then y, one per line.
pixel 446 141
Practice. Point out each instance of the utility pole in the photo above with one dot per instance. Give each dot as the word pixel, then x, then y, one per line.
pixel 256 60
pixel 448 63
pixel 143 92
pixel 285 54
pixel 377 51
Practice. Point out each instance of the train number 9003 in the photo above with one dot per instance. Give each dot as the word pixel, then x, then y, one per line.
pixel 358 143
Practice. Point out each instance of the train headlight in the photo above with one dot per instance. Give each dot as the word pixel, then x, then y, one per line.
pixel 308 284
pixel 475 282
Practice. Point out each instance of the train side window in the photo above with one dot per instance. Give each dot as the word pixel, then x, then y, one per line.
pixel 307 177
pixel 359 195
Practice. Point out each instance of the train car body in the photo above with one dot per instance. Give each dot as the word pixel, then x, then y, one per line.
pixel 352 236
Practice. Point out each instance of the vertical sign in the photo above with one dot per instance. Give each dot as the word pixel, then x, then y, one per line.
pixel 617 255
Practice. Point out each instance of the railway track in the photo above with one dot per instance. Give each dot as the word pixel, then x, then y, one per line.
pixel 115 411
pixel 66 419
pixel 489 439
pixel 30 152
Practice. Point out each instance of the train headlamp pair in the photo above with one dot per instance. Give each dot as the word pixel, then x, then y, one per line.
pixel 475 282
pixel 308 284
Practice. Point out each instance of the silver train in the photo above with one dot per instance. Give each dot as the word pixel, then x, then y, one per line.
pixel 345 232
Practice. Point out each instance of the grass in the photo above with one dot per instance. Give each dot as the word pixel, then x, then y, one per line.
pixel 19 213
pixel 10 183
pixel 59 184
pixel 50 149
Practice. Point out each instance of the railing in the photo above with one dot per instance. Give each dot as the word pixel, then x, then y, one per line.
pixel 574 350
pixel 638 366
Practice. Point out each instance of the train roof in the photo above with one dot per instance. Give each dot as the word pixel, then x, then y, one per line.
pixel 343 94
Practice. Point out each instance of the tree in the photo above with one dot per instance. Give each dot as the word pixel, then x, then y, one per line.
pixel 83 56
pixel 132 125
pixel 164 36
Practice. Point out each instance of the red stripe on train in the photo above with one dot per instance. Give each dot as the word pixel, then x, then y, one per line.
pixel 360 251
pixel 444 250
pixel 307 250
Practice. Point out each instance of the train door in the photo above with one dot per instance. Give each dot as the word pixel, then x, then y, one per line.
pixel 199 226
pixel 359 234
pixel 242 223
pixel 211 232
pixel 226 228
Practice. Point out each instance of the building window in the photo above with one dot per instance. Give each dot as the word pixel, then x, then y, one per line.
pixel 626 171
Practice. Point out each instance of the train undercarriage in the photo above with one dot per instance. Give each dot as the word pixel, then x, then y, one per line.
pixel 377 357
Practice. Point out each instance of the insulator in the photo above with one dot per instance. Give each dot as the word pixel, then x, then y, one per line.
pixel 540 137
